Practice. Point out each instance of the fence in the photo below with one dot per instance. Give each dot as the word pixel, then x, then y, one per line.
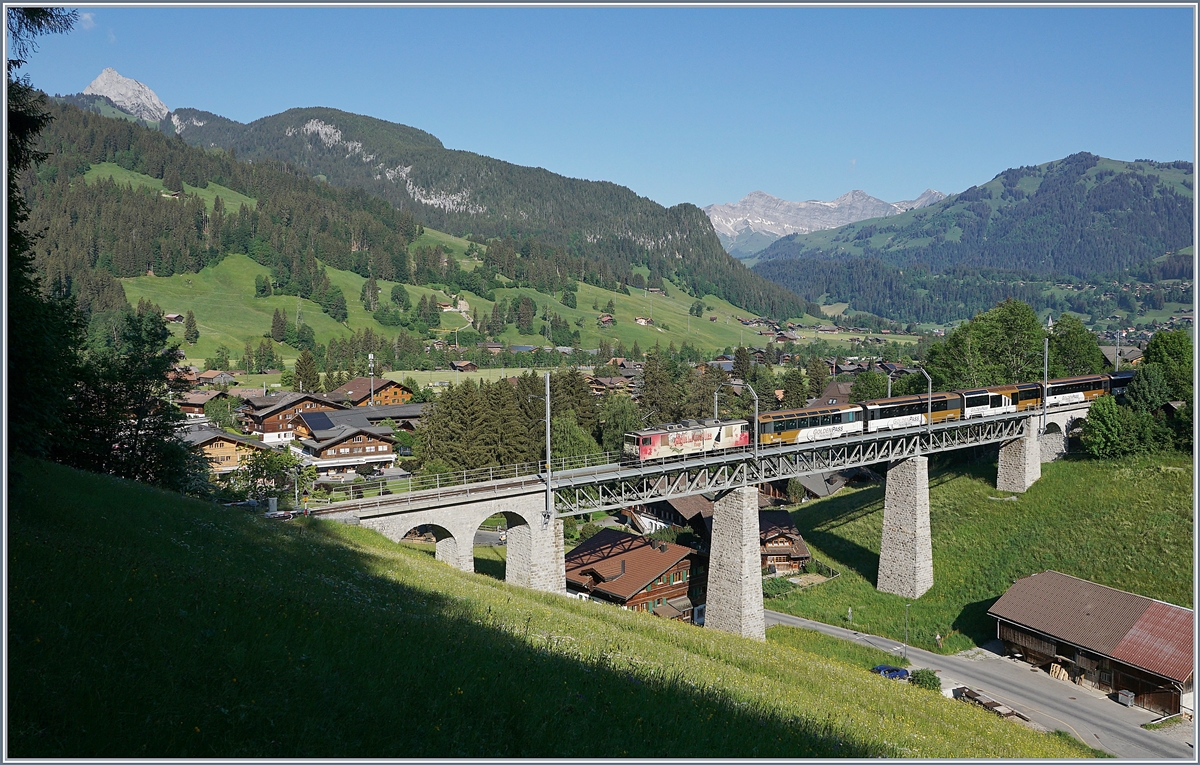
pixel 416 483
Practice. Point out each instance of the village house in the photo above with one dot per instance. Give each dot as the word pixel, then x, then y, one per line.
pixel 341 447
pixel 224 451
pixel 601 385
pixel 492 348
pixel 464 366
pixel 605 320
pixel 214 377
pixel 644 321
pixel 782 548
pixel 1131 355
pixel 271 418
pixel 357 392
pixel 192 404
pixel 638 574
pixel 174 318
pixel 835 393
pixel 1102 638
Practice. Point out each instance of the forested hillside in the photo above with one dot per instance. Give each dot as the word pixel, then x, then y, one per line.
pixel 464 193
pixel 1082 216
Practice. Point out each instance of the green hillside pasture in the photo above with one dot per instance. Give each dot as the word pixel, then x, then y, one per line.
pixel 455 246
pixel 232 199
pixel 143 624
pixel 222 297
pixel 1122 523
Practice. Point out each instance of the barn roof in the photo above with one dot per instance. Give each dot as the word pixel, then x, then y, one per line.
pixel 621 564
pixel 1133 629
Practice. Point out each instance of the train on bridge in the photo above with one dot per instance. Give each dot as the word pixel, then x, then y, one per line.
pixel 819 423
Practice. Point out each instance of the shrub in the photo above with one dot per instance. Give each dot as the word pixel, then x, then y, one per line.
pixel 776 587
pixel 926 678
pixel 588 531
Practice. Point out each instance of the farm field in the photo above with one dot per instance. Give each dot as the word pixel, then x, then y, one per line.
pixel 1122 523
pixel 203 631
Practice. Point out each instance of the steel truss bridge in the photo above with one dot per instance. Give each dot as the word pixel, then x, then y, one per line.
pixel 609 486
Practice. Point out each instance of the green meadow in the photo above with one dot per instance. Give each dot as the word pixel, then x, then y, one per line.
pixel 232 199
pixel 145 624
pixel 1123 523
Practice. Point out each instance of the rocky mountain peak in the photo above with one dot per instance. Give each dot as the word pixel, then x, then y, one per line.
pixel 129 95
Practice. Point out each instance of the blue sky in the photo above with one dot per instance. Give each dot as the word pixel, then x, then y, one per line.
pixel 694 105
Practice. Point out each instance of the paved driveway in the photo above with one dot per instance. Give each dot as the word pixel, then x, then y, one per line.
pixel 1090 715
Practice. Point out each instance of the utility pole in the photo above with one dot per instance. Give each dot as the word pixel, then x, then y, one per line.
pixel 1045 379
pixel 548 513
pixel 371 366
pixel 928 400
pixel 906 605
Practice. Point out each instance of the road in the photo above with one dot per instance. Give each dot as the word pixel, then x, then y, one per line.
pixel 1090 715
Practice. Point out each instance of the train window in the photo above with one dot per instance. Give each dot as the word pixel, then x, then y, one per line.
pixel 791 425
pixel 939 406
pixel 646 441
pixel 849 416
pixel 975 401
pixel 997 401
pixel 826 419
pixel 766 427
pixel 837 419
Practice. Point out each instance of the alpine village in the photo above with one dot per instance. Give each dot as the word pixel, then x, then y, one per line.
pixel 326 440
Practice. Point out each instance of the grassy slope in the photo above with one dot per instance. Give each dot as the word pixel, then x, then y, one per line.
pixel 232 199
pixel 1124 523
pixel 145 624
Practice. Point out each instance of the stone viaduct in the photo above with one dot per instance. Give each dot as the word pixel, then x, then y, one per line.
pixel 734 600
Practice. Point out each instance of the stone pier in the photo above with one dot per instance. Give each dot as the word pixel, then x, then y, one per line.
pixel 1021 460
pixel 906 550
pixel 735 599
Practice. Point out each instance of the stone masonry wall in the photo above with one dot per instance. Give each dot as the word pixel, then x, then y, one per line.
pixel 1020 462
pixel 735 600
pixel 906 549
pixel 535 547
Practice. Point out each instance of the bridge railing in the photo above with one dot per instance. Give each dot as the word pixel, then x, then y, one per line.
pixel 417 483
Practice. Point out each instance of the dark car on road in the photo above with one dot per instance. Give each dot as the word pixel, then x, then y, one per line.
pixel 890 672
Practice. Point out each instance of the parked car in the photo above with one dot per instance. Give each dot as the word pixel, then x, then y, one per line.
pixel 890 672
pixel 278 515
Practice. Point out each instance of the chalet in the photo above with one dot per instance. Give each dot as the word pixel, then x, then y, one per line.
pixel 523 348
pixel 446 307
pixel 192 404
pixel 343 448
pixel 645 322
pixel 225 451
pixel 463 366
pixel 1102 638
pixel 174 318
pixel 826 329
pixel 835 393
pixel 605 320
pixel 492 348
pixel 271 418
pixel 638 574
pixel 404 417
pixel 655 291
pixel 214 377
pixel 1130 355
pixel 601 385
pixel 357 392
pixel 782 548
pixel 187 373
pixel 712 318
pixel 820 485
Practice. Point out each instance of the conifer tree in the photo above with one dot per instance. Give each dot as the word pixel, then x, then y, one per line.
pixel 278 326
pixel 636 353
pixel 795 389
pixel 742 364
pixel 307 378
pixel 191 333
pixel 660 396
pixel 818 376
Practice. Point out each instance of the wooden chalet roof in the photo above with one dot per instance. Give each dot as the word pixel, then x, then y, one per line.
pixel 597 562
pixel 359 389
pixel 266 406
pixel 199 436
pixel 1133 629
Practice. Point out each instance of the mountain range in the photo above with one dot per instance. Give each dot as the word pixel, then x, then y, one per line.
pixel 747 226
pixel 468 194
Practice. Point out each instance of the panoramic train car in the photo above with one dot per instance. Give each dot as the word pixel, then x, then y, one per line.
pixel 1119 381
pixel 1021 396
pixel 911 411
pixel 985 402
pixel 814 423
pixel 687 437
pixel 1076 390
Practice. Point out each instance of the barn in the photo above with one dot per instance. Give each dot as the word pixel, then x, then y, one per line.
pixel 1101 637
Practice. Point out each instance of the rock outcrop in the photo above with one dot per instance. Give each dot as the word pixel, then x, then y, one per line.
pixel 129 95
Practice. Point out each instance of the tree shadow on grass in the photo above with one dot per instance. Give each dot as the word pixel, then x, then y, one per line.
pixel 200 631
